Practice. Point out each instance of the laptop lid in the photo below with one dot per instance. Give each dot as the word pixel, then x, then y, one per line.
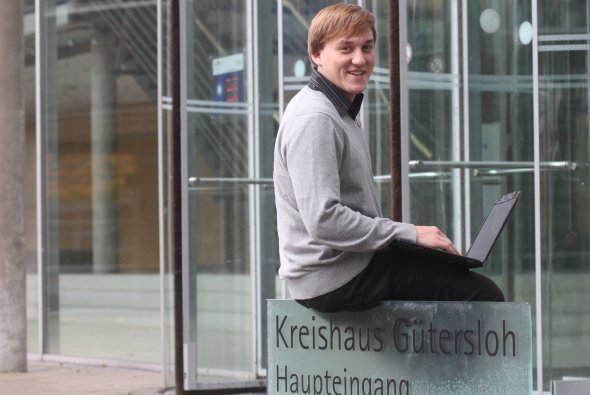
pixel 492 226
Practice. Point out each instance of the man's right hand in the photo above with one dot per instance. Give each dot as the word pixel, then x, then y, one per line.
pixel 431 236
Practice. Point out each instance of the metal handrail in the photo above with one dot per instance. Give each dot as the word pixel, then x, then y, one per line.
pixel 481 168
pixel 225 180
pixel 557 165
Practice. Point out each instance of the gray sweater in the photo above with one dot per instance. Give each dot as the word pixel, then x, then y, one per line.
pixel 328 216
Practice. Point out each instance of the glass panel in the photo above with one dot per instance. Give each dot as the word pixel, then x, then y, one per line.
pixel 501 131
pixel 564 131
pixel 268 116
pixel 433 118
pixel 101 176
pixel 230 197
pixel 219 151
pixel 562 17
pixel 297 14
pixel 471 101
pixel 376 106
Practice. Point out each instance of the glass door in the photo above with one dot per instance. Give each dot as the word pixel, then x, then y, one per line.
pixel 482 122
pixel 470 135
pixel 243 61
pixel 230 117
pixel 564 197
pixel 97 151
pixel 218 206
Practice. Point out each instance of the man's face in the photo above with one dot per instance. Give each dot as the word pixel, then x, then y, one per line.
pixel 348 62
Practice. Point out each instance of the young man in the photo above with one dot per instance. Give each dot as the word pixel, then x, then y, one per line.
pixel 334 242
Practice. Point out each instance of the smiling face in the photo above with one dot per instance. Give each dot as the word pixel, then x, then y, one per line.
pixel 347 62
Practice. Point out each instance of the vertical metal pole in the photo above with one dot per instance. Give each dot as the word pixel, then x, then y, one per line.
pixel 363 114
pixel 40 154
pixel 186 206
pixel 254 173
pixel 47 206
pixel 176 182
pixel 161 198
pixel 466 128
pixel 456 126
pixel 404 114
pixel 588 70
pixel 281 72
pixel 537 187
pixel 395 114
pixel 281 65
pixel 189 280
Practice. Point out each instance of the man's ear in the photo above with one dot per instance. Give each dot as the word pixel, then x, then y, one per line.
pixel 316 58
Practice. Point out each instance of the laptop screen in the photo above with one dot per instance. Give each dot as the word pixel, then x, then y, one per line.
pixel 492 226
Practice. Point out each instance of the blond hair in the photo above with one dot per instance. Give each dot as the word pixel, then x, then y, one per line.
pixel 335 21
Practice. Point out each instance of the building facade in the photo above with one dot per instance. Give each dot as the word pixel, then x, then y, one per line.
pixel 495 97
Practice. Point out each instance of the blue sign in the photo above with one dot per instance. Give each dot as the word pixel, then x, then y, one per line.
pixel 228 78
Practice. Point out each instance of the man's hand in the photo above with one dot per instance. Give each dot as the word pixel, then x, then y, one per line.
pixel 431 236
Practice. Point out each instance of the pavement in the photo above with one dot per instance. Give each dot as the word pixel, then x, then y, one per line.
pixel 53 378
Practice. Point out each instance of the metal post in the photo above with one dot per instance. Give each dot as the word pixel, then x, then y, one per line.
pixel 175 188
pixel 537 197
pixel 395 115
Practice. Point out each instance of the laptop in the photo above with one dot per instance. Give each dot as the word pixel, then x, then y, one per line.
pixel 486 237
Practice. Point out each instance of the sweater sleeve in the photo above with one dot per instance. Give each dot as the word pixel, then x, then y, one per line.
pixel 314 153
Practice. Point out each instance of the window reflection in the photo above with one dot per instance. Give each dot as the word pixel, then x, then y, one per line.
pixel 100 174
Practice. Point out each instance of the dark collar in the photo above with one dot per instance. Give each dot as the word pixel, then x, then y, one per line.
pixel 318 82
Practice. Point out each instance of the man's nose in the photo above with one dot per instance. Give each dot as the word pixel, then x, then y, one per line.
pixel 358 57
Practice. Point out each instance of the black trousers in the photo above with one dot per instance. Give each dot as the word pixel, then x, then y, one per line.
pixel 396 275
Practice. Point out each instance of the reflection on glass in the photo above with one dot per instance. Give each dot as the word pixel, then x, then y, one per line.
pixel 102 279
pixel 220 215
pixel 564 197
pixel 230 139
pixel 525 33
pixel 483 115
pixel 498 103
pixel 562 17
